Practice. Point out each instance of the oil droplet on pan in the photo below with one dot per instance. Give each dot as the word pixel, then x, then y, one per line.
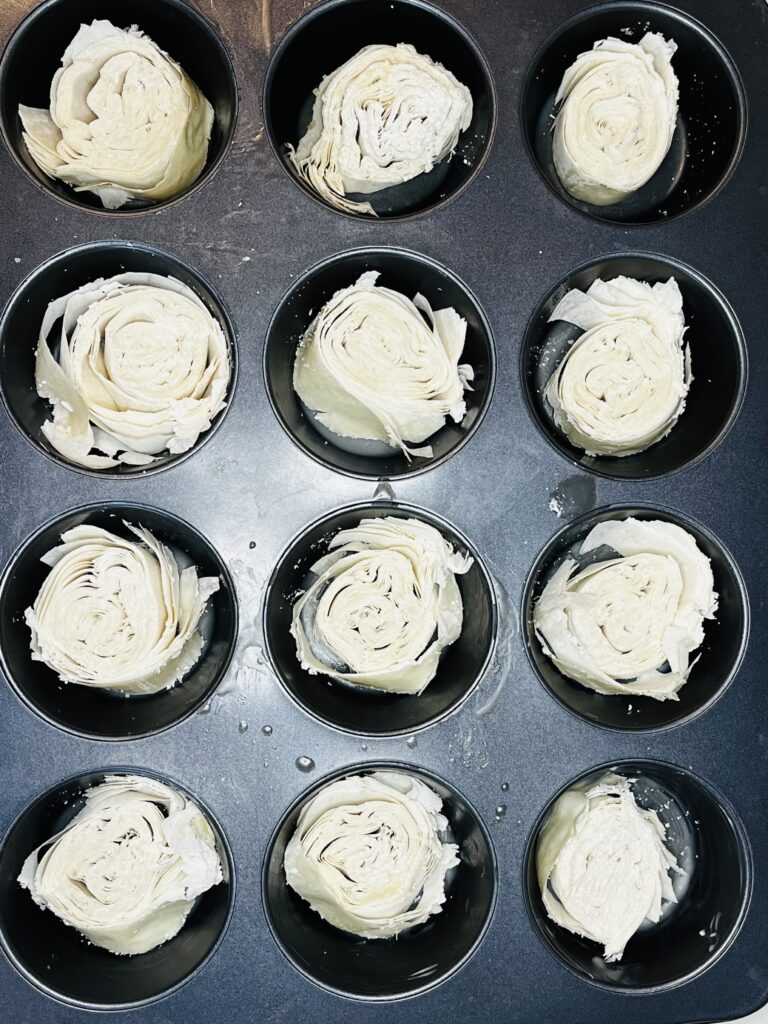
pixel 573 496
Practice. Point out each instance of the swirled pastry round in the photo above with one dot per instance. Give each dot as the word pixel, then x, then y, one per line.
pixel 628 624
pixel 367 854
pixel 622 385
pixel 385 116
pixel 373 364
pixel 127 869
pixel 617 119
pixel 381 605
pixel 117 614
pixel 142 369
pixel 125 121
pixel 602 865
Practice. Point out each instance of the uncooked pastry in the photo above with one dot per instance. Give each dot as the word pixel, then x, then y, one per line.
pixel 125 121
pixel 602 865
pixel 385 116
pixel 142 369
pixel 629 623
pixel 622 384
pixel 370 366
pixel 617 119
pixel 127 869
pixel 117 614
pixel 367 854
pixel 382 605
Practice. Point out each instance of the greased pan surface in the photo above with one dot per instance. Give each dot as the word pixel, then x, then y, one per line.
pixel 249 231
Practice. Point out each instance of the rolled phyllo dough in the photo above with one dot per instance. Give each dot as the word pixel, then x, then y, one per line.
pixel 371 366
pixel 617 118
pixel 385 116
pixel 139 369
pixel 367 854
pixel 381 606
pixel 622 385
pixel 125 121
pixel 127 869
pixel 602 865
pixel 117 614
pixel 628 624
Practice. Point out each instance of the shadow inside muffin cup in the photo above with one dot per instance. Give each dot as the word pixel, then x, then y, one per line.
pixel 712 113
pixel 718 362
pixel 364 710
pixel 406 272
pixel 329 35
pixel 63 273
pixel 709 843
pixel 417 959
pixel 101 714
pixel 33 55
pixel 60 961
pixel 718 658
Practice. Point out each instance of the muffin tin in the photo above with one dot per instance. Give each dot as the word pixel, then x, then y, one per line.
pixel 499 748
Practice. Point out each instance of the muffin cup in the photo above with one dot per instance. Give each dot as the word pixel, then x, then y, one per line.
pixel 102 714
pixel 363 710
pixel 718 360
pixel 332 32
pixel 408 273
pixel 414 961
pixel 20 329
pixel 57 959
pixel 34 52
pixel 709 843
pixel 719 657
pixel 711 121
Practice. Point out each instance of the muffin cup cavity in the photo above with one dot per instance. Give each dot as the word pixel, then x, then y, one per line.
pixel 416 960
pixel 712 112
pixel 33 55
pixel 103 714
pixel 719 657
pixel 363 710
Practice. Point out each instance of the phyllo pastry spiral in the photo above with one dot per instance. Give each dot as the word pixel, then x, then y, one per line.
pixel 369 856
pixel 128 868
pixel 375 365
pixel 602 864
pixel 628 623
pixel 381 606
pixel 118 614
pixel 385 116
pixel 140 369
pixel 125 121
pixel 622 385
pixel 617 118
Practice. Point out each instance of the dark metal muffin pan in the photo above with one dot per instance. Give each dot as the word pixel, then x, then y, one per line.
pixel 359 709
pixel 252 752
pixel 105 714
pixel 718 361
pixel 708 842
